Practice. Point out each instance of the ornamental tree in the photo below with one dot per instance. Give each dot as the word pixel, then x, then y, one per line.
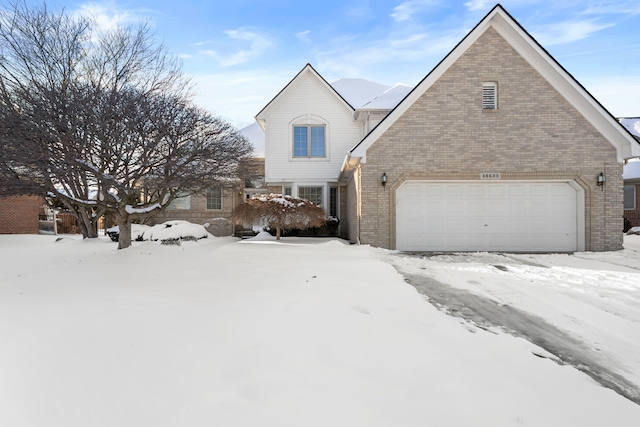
pixel 281 212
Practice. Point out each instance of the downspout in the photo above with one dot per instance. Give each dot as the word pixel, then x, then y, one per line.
pixel 359 198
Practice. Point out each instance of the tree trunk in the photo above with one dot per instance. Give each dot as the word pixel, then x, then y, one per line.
pixel 277 233
pixel 87 222
pixel 124 239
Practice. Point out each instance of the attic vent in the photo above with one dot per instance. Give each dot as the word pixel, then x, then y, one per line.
pixel 489 96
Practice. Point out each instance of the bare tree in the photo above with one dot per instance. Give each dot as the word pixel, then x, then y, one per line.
pixel 102 121
pixel 281 212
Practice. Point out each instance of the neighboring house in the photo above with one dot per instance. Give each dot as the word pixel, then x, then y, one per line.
pixel 498 148
pixel 632 193
pixel 20 214
pixel 631 177
pixel 215 208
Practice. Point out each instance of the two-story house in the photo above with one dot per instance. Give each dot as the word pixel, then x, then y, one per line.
pixel 498 148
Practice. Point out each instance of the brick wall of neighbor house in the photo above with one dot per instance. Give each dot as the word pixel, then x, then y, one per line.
pixel 20 214
pixel 534 135
pixel 634 215
pixel 220 220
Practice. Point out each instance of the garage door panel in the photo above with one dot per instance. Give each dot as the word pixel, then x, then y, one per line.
pixel 500 216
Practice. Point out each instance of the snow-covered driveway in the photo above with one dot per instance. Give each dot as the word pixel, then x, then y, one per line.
pixel 583 308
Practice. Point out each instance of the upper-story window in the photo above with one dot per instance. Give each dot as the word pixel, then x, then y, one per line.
pixel 309 141
pixel 489 96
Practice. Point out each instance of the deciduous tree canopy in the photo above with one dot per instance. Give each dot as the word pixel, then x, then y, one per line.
pixel 102 121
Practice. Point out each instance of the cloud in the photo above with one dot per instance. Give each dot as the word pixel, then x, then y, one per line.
pixel 479 4
pixel 616 7
pixel 249 45
pixel 567 31
pixel 108 15
pixel 303 36
pixel 407 10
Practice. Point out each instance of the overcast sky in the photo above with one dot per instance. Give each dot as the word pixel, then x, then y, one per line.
pixel 240 53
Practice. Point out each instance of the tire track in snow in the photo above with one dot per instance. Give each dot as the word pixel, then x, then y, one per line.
pixel 487 313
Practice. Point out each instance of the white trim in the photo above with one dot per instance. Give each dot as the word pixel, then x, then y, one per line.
pixel 310 120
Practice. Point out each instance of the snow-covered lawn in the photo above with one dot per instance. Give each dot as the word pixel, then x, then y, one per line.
pixel 299 333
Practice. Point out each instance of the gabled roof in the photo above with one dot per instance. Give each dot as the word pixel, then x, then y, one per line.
pixel 388 99
pixel 306 70
pixel 563 82
pixel 358 92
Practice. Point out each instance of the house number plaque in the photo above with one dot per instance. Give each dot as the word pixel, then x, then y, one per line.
pixel 490 175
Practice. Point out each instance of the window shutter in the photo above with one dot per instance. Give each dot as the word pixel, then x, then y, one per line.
pixel 489 96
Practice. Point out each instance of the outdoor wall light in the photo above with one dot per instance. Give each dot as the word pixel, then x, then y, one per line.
pixel 601 180
pixel 383 179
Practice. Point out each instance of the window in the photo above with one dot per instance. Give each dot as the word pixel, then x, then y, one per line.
pixel 313 194
pixel 287 191
pixel 214 198
pixel 333 202
pixel 308 141
pixel 630 197
pixel 489 96
pixel 180 203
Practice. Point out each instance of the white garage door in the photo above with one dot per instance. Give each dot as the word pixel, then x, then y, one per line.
pixel 482 216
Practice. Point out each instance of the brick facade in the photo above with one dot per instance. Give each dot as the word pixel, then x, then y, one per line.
pixel 535 134
pixel 220 221
pixel 20 214
pixel 634 215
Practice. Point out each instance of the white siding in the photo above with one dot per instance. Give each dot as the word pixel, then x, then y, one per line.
pixel 309 96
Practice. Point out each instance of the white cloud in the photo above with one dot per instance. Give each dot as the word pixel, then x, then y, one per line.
pixel 303 36
pixel 108 15
pixel 407 10
pixel 567 31
pixel 258 44
pixel 479 4
pixel 615 7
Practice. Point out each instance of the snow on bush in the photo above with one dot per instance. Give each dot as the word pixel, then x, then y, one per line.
pixel 175 231
pixel 634 230
pixel 137 231
pixel 170 232
pixel 282 213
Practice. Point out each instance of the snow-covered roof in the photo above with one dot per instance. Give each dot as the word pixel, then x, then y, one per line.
pixel 388 99
pixel 632 124
pixel 255 135
pixel 367 95
pixel 358 92
pixel 631 170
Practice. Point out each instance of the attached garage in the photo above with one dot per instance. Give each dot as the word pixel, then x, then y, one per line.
pixel 513 216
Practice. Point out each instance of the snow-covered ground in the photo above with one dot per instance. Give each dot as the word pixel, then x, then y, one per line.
pixel 301 333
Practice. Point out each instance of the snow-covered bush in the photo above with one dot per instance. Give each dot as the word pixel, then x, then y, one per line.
pixel 170 232
pixel 281 213
pixel 137 232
